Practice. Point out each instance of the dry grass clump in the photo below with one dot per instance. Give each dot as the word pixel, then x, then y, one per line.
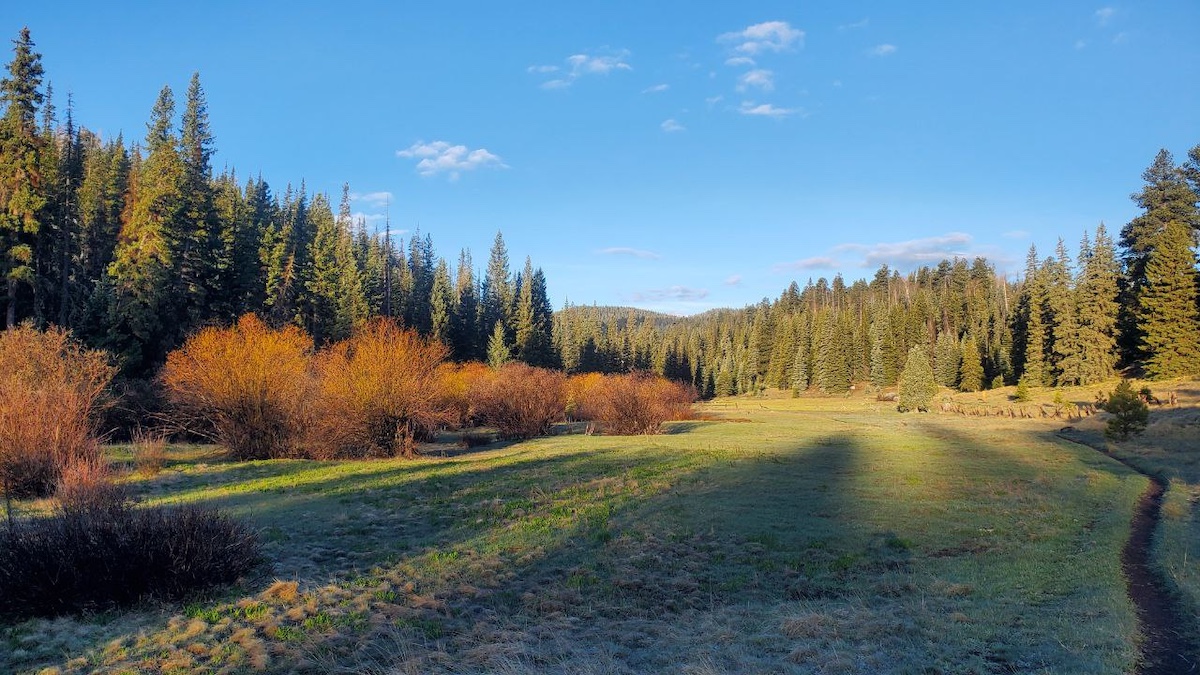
pixel 245 386
pixel 51 390
pixel 378 393
pixel 519 400
pixel 633 404
pixel 97 551
pixel 149 451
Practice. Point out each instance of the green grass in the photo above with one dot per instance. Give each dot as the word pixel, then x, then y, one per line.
pixel 820 535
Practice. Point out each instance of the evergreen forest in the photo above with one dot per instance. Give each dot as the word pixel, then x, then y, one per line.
pixel 133 244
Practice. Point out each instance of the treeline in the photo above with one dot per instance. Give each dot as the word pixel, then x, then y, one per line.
pixel 1131 304
pixel 135 247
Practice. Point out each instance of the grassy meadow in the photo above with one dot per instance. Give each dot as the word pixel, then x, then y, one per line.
pixel 810 535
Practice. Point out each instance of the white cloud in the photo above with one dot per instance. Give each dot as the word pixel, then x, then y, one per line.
pixel 656 89
pixel 762 79
pixel 368 218
pixel 372 198
pixel 739 61
pixel 672 126
pixel 1120 38
pixel 579 65
pixel 442 157
pixel 911 252
pixel 883 50
pixel 857 24
pixel 1104 15
pixel 814 263
pixel 765 110
pixel 713 100
pixel 1017 234
pixel 673 293
pixel 625 250
pixel 733 280
pixel 769 36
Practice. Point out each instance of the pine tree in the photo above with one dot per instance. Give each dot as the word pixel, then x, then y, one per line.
pixel 200 256
pixel 917 384
pixel 971 370
pixel 497 295
pixel 1030 330
pixel 1063 304
pixel 22 188
pixel 802 359
pixel 1168 316
pixel 464 334
pixel 441 304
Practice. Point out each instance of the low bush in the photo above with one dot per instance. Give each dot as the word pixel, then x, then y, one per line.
pixel 245 387
pixel 98 551
pixel 582 396
pixel 149 451
pixel 456 383
pixel 51 393
pixel 519 400
pixel 637 403
pixel 378 394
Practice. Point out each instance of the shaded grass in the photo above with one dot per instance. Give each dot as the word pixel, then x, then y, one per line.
pixel 825 535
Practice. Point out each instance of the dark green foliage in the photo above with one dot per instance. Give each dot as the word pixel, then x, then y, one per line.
pixel 1129 412
pixel 947 360
pixel 94 556
pixel 971 371
pixel 1169 317
pixel 917 383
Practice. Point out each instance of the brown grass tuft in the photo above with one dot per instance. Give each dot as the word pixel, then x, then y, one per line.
pixel 284 591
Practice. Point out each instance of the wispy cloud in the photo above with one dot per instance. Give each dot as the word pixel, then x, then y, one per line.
pixel 656 89
pixel 739 61
pixel 765 110
pixel 733 280
pixel 368 218
pixel 861 23
pixel 579 65
pixel 713 100
pixel 442 157
pixel 1016 234
pixel 372 198
pixel 1104 15
pixel 769 36
pixel 759 78
pixel 1120 38
pixel 683 293
pixel 1080 44
pixel 814 263
pixel 634 252
pixel 671 126
pixel 911 252
pixel 882 50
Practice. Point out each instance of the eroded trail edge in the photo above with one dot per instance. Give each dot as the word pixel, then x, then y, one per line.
pixel 1164 647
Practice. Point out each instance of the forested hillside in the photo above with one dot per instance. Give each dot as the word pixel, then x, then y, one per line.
pixel 134 244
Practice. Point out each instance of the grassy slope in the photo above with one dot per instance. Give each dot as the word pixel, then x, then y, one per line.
pixel 821 535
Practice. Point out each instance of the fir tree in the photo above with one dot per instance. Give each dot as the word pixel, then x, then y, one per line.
pixel 1096 298
pixel 22 188
pixel 497 294
pixel 947 360
pixel 917 384
pixel 1030 331
pixel 1063 304
pixel 441 304
pixel 200 256
pixel 498 352
pixel 1168 316
pixel 971 370
pixel 464 334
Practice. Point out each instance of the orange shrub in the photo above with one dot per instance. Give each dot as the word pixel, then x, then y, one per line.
pixel 581 395
pixel 457 381
pixel 51 391
pixel 378 394
pixel 519 400
pixel 638 403
pixel 246 386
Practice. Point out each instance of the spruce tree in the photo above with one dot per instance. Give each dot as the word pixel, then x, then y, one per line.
pixel 971 370
pixel 465 338
pixel 1030 329
pixel 498 352
pixel 1063 305
pixel 917 383
pixel 200 254
pixel 441 304
pixel 1167 313
pixel 947 360
pixel 22 188
pixel 1096 297
pixel 497 295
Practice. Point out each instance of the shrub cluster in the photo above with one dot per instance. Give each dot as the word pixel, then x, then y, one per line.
pixel 378 393
pixel 51 393
pixel 98 551
pixel 519 400
pixel 245 387
pixel 632 404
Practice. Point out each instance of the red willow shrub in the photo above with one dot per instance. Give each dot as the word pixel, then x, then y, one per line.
pixel 519 400
pixel 456 382
pixel 245 387
pixel 635 404
pixel 51 392
pixel 378 394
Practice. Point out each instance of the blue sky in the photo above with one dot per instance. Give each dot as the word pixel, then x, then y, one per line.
pixel 676 156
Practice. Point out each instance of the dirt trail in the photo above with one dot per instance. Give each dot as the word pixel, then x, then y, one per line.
pixel 1164 647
